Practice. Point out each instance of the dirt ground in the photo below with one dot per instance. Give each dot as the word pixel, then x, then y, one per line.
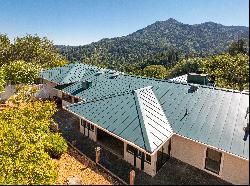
pixel 73 164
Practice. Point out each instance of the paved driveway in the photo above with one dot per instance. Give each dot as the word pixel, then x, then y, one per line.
pixel 174 172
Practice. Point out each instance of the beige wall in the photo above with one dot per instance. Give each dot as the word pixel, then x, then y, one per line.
pixel 148 168
pixel 233 169
pixel 188 151
pixel 165 147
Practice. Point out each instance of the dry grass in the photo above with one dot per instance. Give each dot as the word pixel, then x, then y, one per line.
pixel 72 164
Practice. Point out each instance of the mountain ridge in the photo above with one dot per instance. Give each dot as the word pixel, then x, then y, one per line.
pixel 202 39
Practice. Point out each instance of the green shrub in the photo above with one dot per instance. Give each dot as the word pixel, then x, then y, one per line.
pixel 23 132
pixel 55 145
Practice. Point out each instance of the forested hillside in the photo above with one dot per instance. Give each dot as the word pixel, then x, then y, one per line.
pixel 166 41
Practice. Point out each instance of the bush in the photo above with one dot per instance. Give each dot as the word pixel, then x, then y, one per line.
pixel 23 132
pixel 55 145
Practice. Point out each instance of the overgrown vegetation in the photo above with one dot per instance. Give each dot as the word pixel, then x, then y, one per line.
pixel 26 141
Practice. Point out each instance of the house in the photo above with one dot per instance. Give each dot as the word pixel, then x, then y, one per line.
pixel 147 120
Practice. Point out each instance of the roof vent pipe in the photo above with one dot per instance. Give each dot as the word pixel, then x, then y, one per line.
pixel 86 84
pixel 193 88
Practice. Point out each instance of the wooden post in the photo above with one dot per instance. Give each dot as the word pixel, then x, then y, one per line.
pixel 132 177
pixel 97 154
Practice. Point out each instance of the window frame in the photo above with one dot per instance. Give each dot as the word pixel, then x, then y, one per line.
pixel 91 127
pixel 207 159
pixel 146 160
pixel 131 152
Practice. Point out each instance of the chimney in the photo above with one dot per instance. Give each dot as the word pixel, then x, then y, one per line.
pixel 86 84
pixel 195 78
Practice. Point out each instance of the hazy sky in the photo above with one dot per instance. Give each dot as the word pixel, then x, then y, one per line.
pixel 79 22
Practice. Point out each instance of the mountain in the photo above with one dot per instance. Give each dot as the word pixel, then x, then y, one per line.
pixel 162 38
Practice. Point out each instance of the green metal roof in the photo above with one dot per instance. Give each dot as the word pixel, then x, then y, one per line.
pixel 214 116
pixel 182 78
pixel 210 115
pixel 135 116
pixel 105 85
pixel 67 74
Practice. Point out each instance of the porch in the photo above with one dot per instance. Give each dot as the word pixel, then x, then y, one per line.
pixel 172 172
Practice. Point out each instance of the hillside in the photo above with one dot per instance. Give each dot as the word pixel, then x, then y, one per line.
pixel 162 38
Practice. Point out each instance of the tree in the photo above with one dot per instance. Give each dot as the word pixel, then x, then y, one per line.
pixel 34 49
pixel 156 71
pixel 186 66
pixel 5 46
pixel 21 72
pixel 229 71
pixel 22 134
pixel 237 47
pixel 31 49
pixel 2 80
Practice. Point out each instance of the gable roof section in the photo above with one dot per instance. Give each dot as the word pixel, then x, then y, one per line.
pixel 129 116
pixel 155 127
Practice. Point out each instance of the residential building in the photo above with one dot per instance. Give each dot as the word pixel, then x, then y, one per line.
pixel 147 120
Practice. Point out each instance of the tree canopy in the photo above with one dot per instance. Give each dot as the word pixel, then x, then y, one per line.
pixel 25 57
pixel 21 72
pixel 156 71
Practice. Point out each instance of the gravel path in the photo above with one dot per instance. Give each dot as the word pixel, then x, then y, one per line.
pixel 174 172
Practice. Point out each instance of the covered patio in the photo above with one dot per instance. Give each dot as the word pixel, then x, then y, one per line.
pixel 173 172
pixel 111 143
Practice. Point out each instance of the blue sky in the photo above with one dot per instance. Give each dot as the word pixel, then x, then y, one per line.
pixel 79 22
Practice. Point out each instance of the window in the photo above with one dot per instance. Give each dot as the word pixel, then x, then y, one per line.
pixel 213 160
pixel 83 123
pixel 131 149
pixel 87 125
pixel 148 158
pixel 92 128
pixel 139 154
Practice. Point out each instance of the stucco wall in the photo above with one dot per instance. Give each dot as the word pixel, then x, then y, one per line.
pixel 148 168
pixel 235 170
pixel 165 147
pixel 188 151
